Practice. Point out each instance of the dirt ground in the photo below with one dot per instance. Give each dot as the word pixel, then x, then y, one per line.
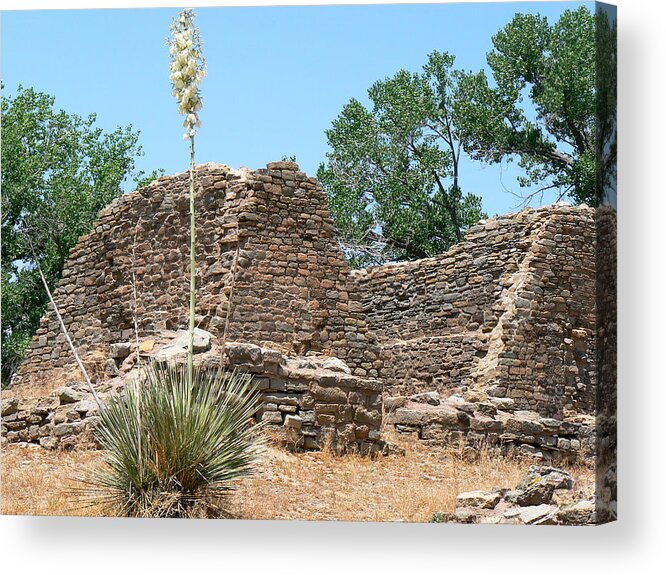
pixel 302 486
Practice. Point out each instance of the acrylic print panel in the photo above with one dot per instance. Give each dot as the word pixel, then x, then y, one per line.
pixel 405 310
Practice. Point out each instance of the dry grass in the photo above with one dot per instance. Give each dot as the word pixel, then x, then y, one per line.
pixel 314 486
pixel 39 482
pixel 42 384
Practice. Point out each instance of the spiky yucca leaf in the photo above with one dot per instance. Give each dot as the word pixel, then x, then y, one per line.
pixel 171 442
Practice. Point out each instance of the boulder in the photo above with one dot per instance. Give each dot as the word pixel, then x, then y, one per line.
pixel 580 513
pixel 87 406
pixel 559 478
pixel 243 353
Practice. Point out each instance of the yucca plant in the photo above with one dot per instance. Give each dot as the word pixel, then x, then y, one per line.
pixel 173 442
pixel 187 69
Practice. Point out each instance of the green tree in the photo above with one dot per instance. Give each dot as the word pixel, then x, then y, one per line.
pixel 393 175
pixel 554 137
pixel 58 171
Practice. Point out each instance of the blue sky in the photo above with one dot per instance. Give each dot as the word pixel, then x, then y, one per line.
pixel 277 76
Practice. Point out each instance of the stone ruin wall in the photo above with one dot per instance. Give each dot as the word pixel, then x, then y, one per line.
pixel 606 414
pixel 269 229
pixel 304 401
pixel 510 311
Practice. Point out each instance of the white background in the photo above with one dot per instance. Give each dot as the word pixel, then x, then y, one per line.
pixel 633 544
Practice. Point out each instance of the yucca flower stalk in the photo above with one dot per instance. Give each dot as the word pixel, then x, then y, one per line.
pixel 187 69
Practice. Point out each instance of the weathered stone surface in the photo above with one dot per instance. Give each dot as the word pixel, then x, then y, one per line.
pixel 296 392
pixel 63 429
pixel 112 368
pixel 554 476
pixel 393 403
pixel 244 353
pixel 492 320
pixel 171 353
pixel 87 406
pixel 466 515
pixel 536 513
pixel 9 406
pixel 201 340
pixel 70 395
pixel 146 345
pixel 493 314
pixel 120 350
pixel 534 504
pixel 293 422
pixel 480 499
pixel 272 417
pixel 580 513
pixel 268 232
pixel 430 397
pixel 335 364
pixel 536 494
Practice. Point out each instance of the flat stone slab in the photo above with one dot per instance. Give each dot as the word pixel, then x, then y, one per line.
pixel 480 499
pixel 201 340
pixel 536 513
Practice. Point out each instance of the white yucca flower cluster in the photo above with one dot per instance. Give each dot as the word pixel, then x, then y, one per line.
pixel 187 69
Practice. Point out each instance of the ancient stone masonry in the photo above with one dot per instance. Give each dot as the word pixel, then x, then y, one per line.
pixel 494 425
pixel 606 409
pixel 509 311
pixel 307 401
pixel 499 334
pixel 268 232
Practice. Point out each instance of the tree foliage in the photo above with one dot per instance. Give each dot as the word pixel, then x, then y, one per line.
pixel 58 171
pixel 606 91
pixel 392 177
pixel 554 137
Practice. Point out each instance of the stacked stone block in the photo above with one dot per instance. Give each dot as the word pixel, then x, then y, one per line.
pixel 315 400
pixel 473 427
pixel 509 313
pixel 268 266
pixel 309 402
pixel 510 310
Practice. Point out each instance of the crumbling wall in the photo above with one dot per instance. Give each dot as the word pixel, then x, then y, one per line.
pixel 267 265
pixel 306 401
pixel 510 311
